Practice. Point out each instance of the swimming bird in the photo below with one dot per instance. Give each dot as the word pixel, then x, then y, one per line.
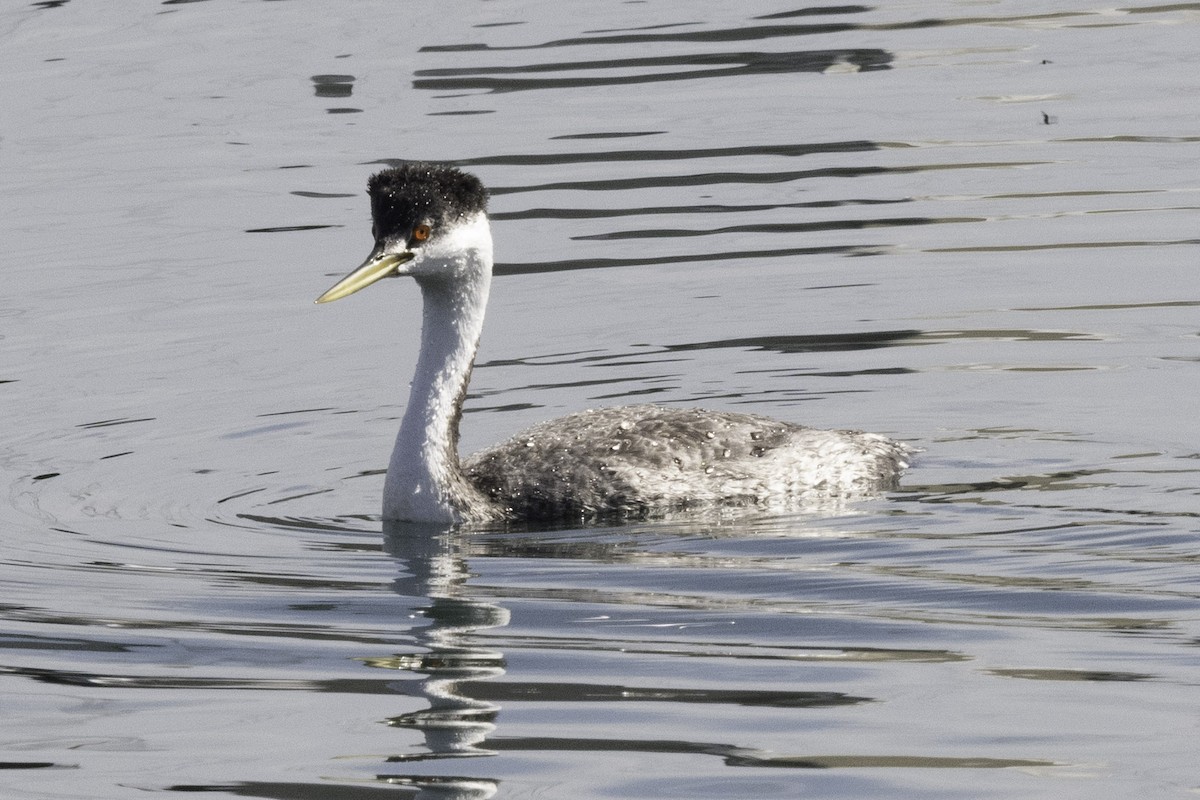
pixel 430 222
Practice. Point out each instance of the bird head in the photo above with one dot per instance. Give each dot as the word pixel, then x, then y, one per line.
pixel 426 220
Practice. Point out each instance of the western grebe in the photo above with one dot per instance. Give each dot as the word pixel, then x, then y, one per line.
pixel 430 222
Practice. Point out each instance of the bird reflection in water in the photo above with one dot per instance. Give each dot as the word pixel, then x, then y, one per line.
pixel 454 725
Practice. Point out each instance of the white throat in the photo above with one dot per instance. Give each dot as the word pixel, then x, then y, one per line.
pixel 425 482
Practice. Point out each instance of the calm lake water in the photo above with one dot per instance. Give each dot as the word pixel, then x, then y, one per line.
pixel 968 225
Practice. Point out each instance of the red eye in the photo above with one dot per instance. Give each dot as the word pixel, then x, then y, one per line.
pixel 420 233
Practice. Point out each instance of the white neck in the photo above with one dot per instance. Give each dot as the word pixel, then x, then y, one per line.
pixel 425 482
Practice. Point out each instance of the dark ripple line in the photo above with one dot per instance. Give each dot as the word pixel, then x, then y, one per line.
pixel 761 32
pixel 644 27
pixel 1018 248
pixel 778 227
pixel 736 756
pixel 536 267
pixel 546 691
pixel 1113 306
pixel 108 423
pixel 493 691
pixel 782 343
pixel 812 12
pixel 281 630
pixel 743 34
pixel 782 62
pixel 729 65
pixel 752 178
pixel 290 228
pixel 607 135
pixel 813 343
pixel 606 213
pixel 665 154
pixel 869 340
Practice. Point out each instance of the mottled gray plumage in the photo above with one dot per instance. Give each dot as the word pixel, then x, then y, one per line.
pixel 645 460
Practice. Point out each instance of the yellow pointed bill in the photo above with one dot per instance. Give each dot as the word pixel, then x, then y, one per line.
pixel 376 267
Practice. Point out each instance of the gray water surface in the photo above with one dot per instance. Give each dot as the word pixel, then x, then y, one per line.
pixel 967 225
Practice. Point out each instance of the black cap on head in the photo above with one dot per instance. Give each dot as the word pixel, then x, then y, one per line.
pixel 418 192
